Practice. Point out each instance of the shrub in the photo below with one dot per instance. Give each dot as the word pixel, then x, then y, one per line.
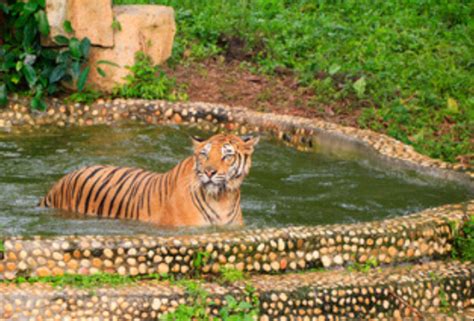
pixel 26 66
pixel 464 241
pixel 149 82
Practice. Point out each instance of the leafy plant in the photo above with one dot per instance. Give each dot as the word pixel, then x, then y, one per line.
pixel 230 275
pixel 194 311
pixel 116 25
pixel 201 259
pixel 237 310
pixel 148 82
pixel 2 249
pixel 200 301
pixel 464 241
pixel 27 66
pixel 368 265
pixel 87 96
pixel 445 307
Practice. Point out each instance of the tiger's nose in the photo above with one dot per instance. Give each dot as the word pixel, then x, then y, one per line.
pixel 209 171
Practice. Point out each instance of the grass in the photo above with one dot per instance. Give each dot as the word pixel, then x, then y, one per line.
pixel 365 267
pixel 406 64
pixel 236 309
pixel 87 281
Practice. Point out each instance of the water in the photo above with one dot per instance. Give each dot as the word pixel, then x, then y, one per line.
pixel 285 187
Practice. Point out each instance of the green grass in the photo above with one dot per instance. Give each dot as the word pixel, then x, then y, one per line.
pixel 87 281
pixel 407 64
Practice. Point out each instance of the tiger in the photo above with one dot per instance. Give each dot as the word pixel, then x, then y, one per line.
pixel 203 189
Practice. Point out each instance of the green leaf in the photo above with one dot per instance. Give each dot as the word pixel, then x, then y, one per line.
pixel 334 69
pixel 15 78
pixel 75 47
pixel 75 69
pixel 452 106
pixel 29 34
pixel 85 47
pixel 41 3
pixel 57 73
pixel 61 40
pixel 116 26
pixel 244 305
pixel 81 81
pixel 42 20
pixel 359 87
pixel 49 54
pixel 30 74
pixel 67 26
pixel 3 94
pixel 107 62
pixel 19 65
pixel 101 71
pixel 38 103
pixel 29 8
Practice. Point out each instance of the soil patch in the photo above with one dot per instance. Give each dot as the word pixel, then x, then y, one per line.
pixel 229 82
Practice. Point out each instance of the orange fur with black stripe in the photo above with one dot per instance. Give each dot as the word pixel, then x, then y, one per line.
pixel 203 189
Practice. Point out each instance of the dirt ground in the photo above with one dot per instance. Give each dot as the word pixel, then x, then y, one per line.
pixel 218 81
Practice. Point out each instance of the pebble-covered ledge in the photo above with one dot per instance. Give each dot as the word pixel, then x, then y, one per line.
pixel 408 292
pixel 302 132
pixel 403 239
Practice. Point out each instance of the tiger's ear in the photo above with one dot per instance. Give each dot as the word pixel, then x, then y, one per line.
pixel 250 142
pixel 197 141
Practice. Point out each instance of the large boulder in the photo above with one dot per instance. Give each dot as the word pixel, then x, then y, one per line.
pixel 89 18
pixel 147 28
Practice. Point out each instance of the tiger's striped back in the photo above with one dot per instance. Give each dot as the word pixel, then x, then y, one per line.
pixel 115 192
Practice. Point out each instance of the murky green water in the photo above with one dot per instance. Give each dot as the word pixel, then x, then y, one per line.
pixel 285 187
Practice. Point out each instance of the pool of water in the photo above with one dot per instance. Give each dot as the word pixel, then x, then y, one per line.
pixel 285 187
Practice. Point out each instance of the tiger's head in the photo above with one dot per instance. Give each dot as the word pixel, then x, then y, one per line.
pixel 222 161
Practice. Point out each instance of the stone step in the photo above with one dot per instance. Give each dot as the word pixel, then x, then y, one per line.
pixel 427 234
pixel 436 290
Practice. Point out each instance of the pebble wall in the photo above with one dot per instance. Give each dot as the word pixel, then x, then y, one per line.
pixel 427 234
pixel 403 293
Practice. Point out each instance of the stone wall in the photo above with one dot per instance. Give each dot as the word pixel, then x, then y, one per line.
pixel 427 234
pixel 405 293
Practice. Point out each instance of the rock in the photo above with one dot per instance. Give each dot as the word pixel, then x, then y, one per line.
pixel 56 11
pixel 43 271
pixel 338 260
pixel 156 304
pixel 147 28
pixel 163 268
pixel 92 19
pixel 108 253
pixel 122 270
pixel 89 18
pixel 326 260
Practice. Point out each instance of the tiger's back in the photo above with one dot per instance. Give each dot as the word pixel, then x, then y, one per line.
pixel 109 191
